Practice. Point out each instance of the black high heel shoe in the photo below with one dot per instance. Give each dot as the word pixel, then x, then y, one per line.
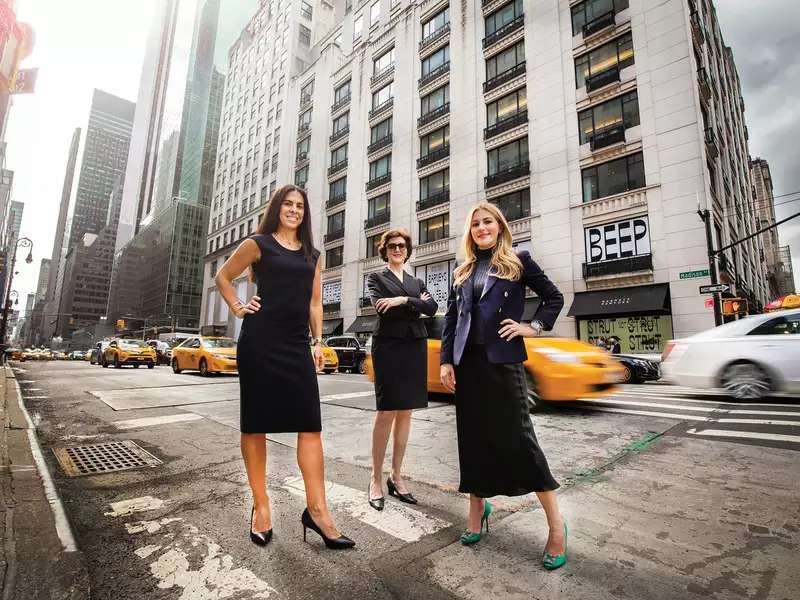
pixel 376 503
pixel 260 538
pixel 340 543
pixel 393 491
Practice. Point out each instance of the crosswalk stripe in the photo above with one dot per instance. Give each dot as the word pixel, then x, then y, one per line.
pixel 151 421
pixel 397 520
pixel 612 400
pixel 753 435
pixel 758 422
pixel 347 396
pixel 649 413
pixel 688 400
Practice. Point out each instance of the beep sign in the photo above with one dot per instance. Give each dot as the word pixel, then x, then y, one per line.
pixel 621 239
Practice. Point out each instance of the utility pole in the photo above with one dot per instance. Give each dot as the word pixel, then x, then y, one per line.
pixel 705 216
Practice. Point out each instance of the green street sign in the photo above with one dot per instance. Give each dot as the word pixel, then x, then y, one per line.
pixel 694 274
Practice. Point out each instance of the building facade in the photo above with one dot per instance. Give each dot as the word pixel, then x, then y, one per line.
pixel 764 204
pixel 785 272
pixel 597 133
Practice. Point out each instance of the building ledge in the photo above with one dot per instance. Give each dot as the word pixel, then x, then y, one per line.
pixel 628 204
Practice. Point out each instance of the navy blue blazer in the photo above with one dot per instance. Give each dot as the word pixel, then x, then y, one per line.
pixel 501 299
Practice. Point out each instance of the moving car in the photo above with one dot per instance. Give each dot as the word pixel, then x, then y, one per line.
pixel 638 369
pixel 163 351
pixel 207 354
pixel 331 359
pixel 129 352
pixel 557 369
pixel 96 356
pixel 77 355
pixel 352 353
pixel 749 358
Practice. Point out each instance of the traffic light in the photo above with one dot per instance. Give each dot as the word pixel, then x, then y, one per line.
pixel 734 306
pixel 120 323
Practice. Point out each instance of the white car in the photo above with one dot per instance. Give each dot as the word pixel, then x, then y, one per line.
pixel 749 358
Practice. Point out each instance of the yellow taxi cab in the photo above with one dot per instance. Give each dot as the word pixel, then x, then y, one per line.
pixel 331 359
pixel 122 352
pixel 557 369
pixel 17 354
pixel 207 354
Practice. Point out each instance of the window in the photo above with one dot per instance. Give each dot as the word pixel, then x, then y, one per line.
pixel 508 156
pixel 341 123
pixel 617 53
pixel 614 177
pixel 505 60
pixel 506 107
pixel 435 228
pixel 436 99
pixel 436 140
pixel 380 167
pixel 500 18
pixel 333 257
pixel 434 184
pixel 213 268
pixel 588 11
pixel 381 131
pixel 373 242
pixel 250 227
pixel 303 147
pixel 342 92
pixel 784 325
pixel 337 188
pixel 383 62
pixel 339 155
pixel 305 36
pixel 383 95
pixel 516 205
pixel 435 60
pixel 306 10
pixel 374 13
pixel 241 231
pixel 377 206
pixel 435 23
pixel 336 222
pixel 301 177
pixel 307 90
pixel 623 110
pixel 358 25
pixel 304 120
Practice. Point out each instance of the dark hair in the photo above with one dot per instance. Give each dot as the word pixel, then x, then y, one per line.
pixel 272 218
pixel 393 233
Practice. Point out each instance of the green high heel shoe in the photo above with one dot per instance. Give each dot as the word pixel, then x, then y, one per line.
pixel 552 562
pixel 470 537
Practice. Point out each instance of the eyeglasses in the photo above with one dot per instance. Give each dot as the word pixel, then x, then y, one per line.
pixel 400 246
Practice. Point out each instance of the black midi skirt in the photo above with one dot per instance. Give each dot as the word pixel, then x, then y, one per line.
pixel 497 448
pixel 401 372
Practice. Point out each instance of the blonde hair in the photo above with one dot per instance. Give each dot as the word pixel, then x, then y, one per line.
pixel 505 262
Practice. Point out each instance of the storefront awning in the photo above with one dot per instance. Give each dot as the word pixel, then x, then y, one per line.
pixel 531 306
pixel 650 299
pixel 331 325
pixel 363 324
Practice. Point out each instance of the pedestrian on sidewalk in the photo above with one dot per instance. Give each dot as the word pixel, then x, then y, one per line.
pixel 399 359
pixel 277 372
pixel 481 362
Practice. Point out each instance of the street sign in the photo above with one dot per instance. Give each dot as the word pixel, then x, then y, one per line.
pixel 713 289
pixel 709 303
pixel 694 274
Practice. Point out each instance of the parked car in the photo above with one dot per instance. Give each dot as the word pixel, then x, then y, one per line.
pixel 77 355
pixel 122 352
pixel 557 369
pixel 352 353
pixel 331 359
pixel 17 354
pixel 207 354
pixel 99 349
pixel 749 358
pixel 638 369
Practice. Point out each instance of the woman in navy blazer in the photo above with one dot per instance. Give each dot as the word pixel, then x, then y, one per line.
pixel 483 351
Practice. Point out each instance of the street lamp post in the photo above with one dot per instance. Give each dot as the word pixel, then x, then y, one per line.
pixel 21 243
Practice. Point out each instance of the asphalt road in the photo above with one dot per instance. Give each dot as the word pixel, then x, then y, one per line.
pixel 661 505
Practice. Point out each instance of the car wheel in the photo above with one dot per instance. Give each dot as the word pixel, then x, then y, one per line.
pixel 535 402
pixel 204 368
pixel 117 364
pixel 627 374
pixel 745 381
pixel 361 367
pixel 175 367
pixel 150 366
pixel 136 366
pixel 104 363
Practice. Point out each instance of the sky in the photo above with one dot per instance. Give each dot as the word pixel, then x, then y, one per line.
pixel 100 44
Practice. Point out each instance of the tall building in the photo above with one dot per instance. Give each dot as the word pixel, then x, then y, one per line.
pixel 11 235
pixel 764 205
pixel 105 154
pixel 596 126
pixel 785 272
pixel 41 284
pixel 164 212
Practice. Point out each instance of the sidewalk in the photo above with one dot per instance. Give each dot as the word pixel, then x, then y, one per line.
pixel 37 557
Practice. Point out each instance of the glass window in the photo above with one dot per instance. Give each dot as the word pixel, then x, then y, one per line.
pixel 507 106
pixel 339 155
pixel 374 13
pixel 301 177
pixel 333 257
pixel 372 245
pixel 435 140
pixel 436 99
pixel 305 36
pixel 303 147
pixel 618 52
pixel 382 95
pixel 516 205
pixel 434 184
pixel 381 130
pixel 784 325
pixel 588 11
pixel 504 16
pixel 435 228
pixel 341 123
pixel 337 188
pixel 436 60
pixel 308 89
pixel 435 23
pixel 341 92
pixel 380 167
pixel 505 60
pixel 379 205
pixel 358 25
pixel 508 156
pixel 336 222
pixel 622 110
pixel 613 177
pixel 384 61
pixel 307 9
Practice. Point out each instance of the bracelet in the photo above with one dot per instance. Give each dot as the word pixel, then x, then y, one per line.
pixel 238 303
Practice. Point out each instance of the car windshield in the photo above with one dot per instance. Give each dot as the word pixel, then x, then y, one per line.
pixel 219 342
pixel 132 344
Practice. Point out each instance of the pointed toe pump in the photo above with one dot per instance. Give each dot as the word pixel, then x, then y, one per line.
pixel 555 561
pixel 393 491
pixel 340 543
pixel 470 537
pixel 260 538
pixel 376 503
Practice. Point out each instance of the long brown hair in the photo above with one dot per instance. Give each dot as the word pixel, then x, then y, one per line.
pixel 272 218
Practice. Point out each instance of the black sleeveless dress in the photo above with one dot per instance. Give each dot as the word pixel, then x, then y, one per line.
pixel 277 379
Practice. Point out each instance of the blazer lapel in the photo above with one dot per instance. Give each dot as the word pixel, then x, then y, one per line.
pixel 490 281
pixel 393 282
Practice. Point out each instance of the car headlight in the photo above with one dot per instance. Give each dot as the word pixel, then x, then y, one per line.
pixel 222 356
pixel 559 356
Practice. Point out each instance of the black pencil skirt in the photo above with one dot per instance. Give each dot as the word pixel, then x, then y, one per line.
pixel 401 372
pixel 497 448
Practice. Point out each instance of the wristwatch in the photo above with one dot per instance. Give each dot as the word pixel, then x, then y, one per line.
pixel 537 325
pixel 315 341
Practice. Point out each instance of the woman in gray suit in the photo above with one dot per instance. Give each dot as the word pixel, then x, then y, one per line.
pixel 399 359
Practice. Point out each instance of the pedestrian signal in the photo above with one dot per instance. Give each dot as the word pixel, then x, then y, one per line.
pixel 120 323
pixel 734 306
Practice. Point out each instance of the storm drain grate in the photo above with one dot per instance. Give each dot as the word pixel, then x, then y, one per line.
pixel 104 458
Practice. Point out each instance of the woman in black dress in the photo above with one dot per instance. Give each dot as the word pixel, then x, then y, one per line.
pixel 277 373
pixel 483 351
pixel 400 361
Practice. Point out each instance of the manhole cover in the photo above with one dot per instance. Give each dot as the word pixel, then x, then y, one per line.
pixel 104 458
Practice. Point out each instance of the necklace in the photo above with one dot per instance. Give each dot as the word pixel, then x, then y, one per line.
pixel 293 244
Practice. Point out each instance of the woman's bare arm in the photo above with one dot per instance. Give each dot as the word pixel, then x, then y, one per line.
pixel 315 309
pixel 245 255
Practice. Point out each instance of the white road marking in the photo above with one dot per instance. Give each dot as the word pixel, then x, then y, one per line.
pixel 776 437
pixel 650 404
pixel 759 422
pixel 396 519
pixel 36 397
pixel 347 396
pixel 669 398
pixel 134 505
pixel 151 421
pixel 648 413
pixel 30 389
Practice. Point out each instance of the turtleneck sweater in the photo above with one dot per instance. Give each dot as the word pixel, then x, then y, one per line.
pixel 478 280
